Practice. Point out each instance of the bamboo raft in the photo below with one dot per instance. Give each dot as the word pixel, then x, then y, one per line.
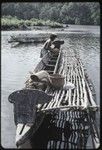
pixel 72 111
pixel 82 97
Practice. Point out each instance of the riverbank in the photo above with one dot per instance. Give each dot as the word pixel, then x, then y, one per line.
pixel 13 23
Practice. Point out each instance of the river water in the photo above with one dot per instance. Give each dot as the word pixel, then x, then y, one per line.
pixel 16 62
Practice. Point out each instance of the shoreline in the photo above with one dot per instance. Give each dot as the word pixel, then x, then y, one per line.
pixel 30 28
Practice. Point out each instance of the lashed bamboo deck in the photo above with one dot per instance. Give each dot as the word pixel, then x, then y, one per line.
pixel 82 97
pixel 73 110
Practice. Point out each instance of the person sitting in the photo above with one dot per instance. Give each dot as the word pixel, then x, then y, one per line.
pixel 57 43
pixel 47 46
pixel 56 46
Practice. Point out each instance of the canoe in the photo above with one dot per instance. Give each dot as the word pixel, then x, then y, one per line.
pixel 26 39
pixel 25 102
pixel 27 125
pixel 73 123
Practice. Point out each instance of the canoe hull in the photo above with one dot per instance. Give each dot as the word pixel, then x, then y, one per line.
pixel 23 139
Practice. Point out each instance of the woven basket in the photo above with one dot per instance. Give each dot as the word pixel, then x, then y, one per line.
pixel 57 80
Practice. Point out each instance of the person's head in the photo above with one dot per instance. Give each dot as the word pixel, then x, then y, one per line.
pixel 53 36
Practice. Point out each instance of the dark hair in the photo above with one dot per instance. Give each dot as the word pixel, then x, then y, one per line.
pixel 53 36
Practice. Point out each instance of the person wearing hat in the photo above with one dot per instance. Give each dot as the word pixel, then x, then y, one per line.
pixel 47 46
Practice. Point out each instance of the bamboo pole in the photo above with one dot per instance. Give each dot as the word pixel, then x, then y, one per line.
pixel 53 100
pixel 74 94
pixel 67 107
pixel 81 88
pixel 69 99
pixel 75 73
pixel 61 98
pixel 77 89
pixel 84 87
pixel 62 93
pixel 85 95
pixel 56 66
pixel 59 93
pixel 89 91
pixel 90 95
pixel 66 80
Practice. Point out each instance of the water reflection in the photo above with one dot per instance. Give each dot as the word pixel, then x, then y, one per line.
pixel 16 64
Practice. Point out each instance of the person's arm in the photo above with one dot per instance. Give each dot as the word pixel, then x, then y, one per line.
pixel 47 45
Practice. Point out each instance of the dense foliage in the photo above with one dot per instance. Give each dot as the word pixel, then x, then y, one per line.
pixel 69 12
pixel 9 22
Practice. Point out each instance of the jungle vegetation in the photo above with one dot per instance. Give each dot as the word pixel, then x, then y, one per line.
pixel 53 14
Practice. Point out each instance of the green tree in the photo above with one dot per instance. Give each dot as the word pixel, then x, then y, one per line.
pixel 69 12
pixel 95 12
